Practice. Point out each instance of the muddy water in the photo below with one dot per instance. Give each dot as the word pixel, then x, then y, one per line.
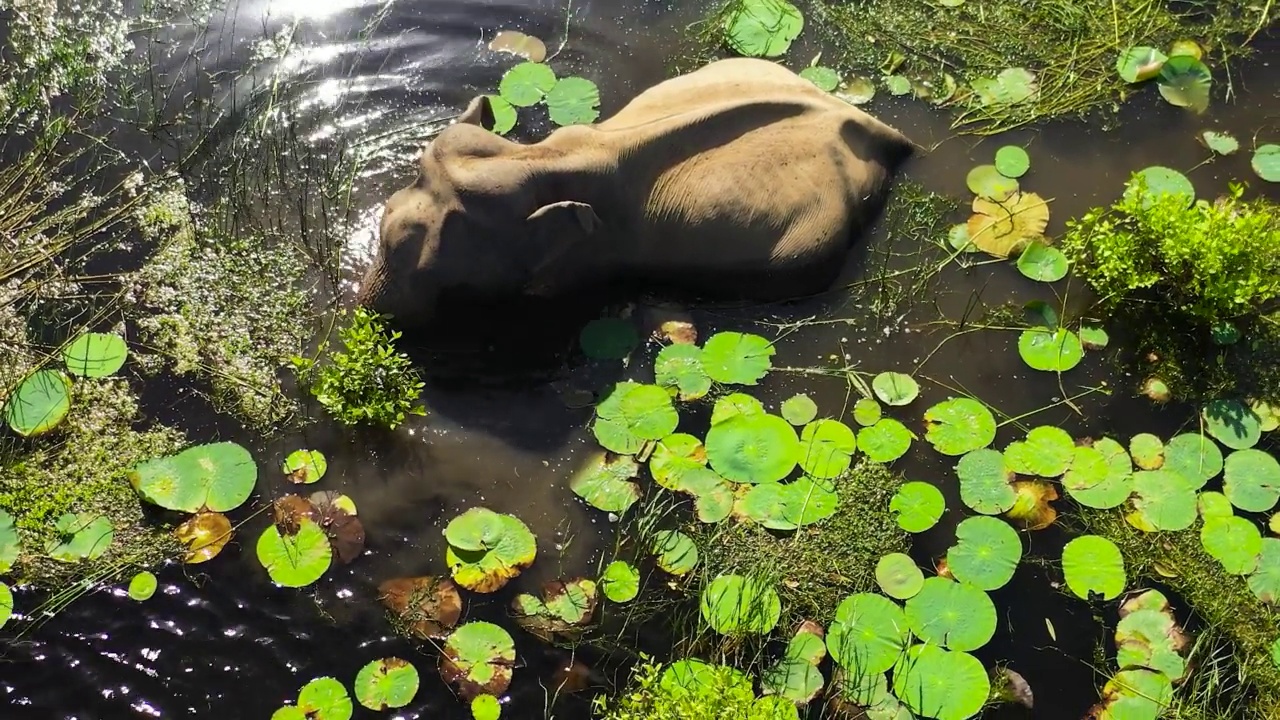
pixel 219 641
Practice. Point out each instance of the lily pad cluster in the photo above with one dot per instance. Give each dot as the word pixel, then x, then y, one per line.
pixel 1181 75
pixel 383 684
pixel 569 100
pixel 762 28
pixel 42 400
pixel 486 549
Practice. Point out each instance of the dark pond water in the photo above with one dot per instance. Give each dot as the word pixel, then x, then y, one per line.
pixel 218 641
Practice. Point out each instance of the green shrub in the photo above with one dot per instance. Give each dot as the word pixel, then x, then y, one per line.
pixel 370 382
pixel 1212 262
pixel 717 693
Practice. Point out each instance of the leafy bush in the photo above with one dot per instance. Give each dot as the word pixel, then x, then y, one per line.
pixel 1211 261
pixel 717 692
pixel 370 382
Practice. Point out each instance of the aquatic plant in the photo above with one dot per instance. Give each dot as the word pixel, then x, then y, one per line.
pixel 386 684
pixel 762 28
pixel 478 659
pixel 1266 162
pixel 142 586
pixel 486 549
pixel 424 607
pixel 569 100
pixel 215 476
pixel 691 689
pixel 294 554
pixel 324 698
pixel 608 338
pixel 369 382
pixel 565 607
pixel 620 581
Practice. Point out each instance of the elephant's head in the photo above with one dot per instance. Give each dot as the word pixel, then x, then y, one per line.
pixel 482 217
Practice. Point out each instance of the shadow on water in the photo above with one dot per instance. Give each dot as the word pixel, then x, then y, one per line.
pixel 219 641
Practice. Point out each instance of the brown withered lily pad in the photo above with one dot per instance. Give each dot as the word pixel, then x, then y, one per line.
pixel 1003 227
pixel 520 44
pixel 1031 510
pixel 427 607
pixel 478 659
pixel 334 513
pixel 203 535
pixel 288 512
pixel 565 606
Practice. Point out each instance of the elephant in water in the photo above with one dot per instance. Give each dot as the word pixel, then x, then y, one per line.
pixel 739 179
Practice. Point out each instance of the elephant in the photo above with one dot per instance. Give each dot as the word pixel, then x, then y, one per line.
pixel 740 180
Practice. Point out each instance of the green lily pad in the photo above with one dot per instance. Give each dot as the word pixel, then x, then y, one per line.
pixel 1093 338
pixel 10 543
pixel 986 553
pixel 899 576
pixel 737 358
pixel 714 504
pixel 824 77
pixel 676 552
pixel 1220 143
pixel 620 581
pixel 504 114
pixel 565 605
pixel 386 684
pixel 795 680
pixel 324 698
pixel 986 481
pixel 305 466
pixel 1163 500
pixel 1159 180
pixel 573 101
pixel 867 634
pixel 867 412
pixel 799 410
pixel 918 505
pixel 1266 162
pixel 734 404
pixel 288 712
pixel 986 181
pixel 1147 451
pixel 633 414
pixel 1214 505
pixel 857 91
pixel 142 586
pixel 478 660
pixel 297 559
pixel 1233 541
pixel 674 458
pixel 1100 476
pixel 608 338
pixel 526 84
pixel 486 549
pixel 897 85
pixel 1047 452
pixel 885 441
pixel 1150 639
pixel 1042 263
pixel 39 403
pixel 895 388
pixel 1194 457
pixel 1093 564
pixel 1050 350
pixel 790 506
pixel 1017 85
pixel 953 614
pixel 1251 480
pixel 1012 161
pixel 1265 580
pixel 1136 694
pixel 216 476
pixel 1232 423
pixel 939 683
pixel 6 604
pixel 758 448
pixel 734 604
pixel 763 28
pixel 959 425
pixel 80 536
pixel 1185 82
pixel 485 707
pixel 95 354
pixel 1140 63
pixel 605 482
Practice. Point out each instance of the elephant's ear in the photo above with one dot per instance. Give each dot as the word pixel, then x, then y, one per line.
pixel 478 112
pixel 557 232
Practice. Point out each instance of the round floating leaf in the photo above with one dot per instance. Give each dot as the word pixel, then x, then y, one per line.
pixel 478 659
pixel 1265 580
pixel 897 85
pixel 1050 350
pixel 761 448
pixel 1150 639
pixel 217 476
pixel 986 553
pixel 985 481
pixel 632 414
pixel 1136 694
pixel 1214 505
pixel 1093 338
pixel 1251 480
pixel 793 679
pixel 295 560
pixel 939 683
pixel 1185 82
pixel 605 482
pixel 39 403
pixel 608 338
pixel 526 84
pixel 203 535
pixel 735 404
pixel 676 552
pixel 954 614
pixel 10 544
pixel 324 698
pixel 987 182
pixel 737 358
pixel 1220 143
pixel 1163 500
pixel 520 44
pixel 386 684
pixel 1042 263
pixel 1046 452
pixel 1268 415
pixel 958 239
pixel 1140 63
pixel 1017 85
pixel 799 410
pixel 1032 511
pixel 428 607
pixel 305 466
pixel 1232 423
pixel 1233 541
pixel 824 77
pixel 80 536
pixel 885 441
pixel 1194 457
pixel 289 712
pixel 715 504
pixel 1266 162
pixel 676 457
pixel 504 114
pixel 1012 161
pixel 919 506
pixel 485 707
pixel 6 604
pixel 1159 180
pixel 95 354
pixel 733 604
pixel 573 101
pixel 899 576
pixel 1147 451
pixel 763 28
pixel 620 581
pixel 487 549
pixel 866 412
pixel 857 91
pixel 959 425
pixel 1093 564
pixel 895 388
pixel 565 606
pixel 1083 482
pixel 789 506
pixel 142 586
pixel 867 634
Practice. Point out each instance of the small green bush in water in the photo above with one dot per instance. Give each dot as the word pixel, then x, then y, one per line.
pixel 370 382
pixel 700 692
pixel 1212 261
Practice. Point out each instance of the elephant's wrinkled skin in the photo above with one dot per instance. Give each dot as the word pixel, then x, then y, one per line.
pixel 739 179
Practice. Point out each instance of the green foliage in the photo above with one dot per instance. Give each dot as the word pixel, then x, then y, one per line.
pixel 369 383
pixel 1210 261
pixel 718 692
